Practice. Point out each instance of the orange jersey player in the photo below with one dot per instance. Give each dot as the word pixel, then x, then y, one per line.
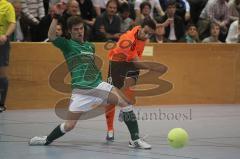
pixel 124 65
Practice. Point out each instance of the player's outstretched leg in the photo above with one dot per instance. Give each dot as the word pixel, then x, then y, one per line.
pixel 117 97
pixel 59 131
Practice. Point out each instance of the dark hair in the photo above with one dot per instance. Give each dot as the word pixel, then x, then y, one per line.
pixel 124 7
pixel 110 1
pixel 149 22
pixel 74 20
pixel 171 3
pixel 143 4
pixel 189 25
pixel 213 24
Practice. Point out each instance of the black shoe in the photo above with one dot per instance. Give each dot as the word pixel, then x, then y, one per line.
pixel 110 136
pixel 2 108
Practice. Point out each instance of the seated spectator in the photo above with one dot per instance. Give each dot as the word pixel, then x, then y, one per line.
pixel 59 32
pixel 154 5
pixel 191 35
pixel 158 37
pixel 174 25
pixel 145 11
pixel 34 10
pixel 131 4
pixel 183 8
pixel 216 11
pixel 234 33
pixel 126 22
pixel 234 10
pixel 107 25
pixel 214 34
pixel 22 32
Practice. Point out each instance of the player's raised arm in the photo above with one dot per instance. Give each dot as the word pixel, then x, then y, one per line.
pixel 52 29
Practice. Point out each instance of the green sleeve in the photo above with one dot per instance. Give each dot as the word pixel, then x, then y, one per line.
pixel 62 43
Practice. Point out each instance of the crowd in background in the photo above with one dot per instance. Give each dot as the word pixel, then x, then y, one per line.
pixel 189 21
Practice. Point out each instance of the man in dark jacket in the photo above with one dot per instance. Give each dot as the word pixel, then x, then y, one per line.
pixel 174 25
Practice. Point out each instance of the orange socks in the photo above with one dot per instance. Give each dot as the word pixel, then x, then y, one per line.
pixel 130 94
pixel 109 113
pixel 110 109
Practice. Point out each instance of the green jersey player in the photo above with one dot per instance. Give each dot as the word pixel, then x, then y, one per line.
pixel 88 89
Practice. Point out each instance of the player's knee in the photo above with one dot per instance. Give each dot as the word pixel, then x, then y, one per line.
pixel 123 102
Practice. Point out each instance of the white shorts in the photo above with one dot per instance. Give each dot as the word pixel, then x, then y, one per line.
pixel 83 100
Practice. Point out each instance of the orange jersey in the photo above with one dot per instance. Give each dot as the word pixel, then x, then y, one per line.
pixel 128 47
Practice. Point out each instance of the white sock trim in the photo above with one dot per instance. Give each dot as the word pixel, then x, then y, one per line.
pixel 62 128
pixel 127 108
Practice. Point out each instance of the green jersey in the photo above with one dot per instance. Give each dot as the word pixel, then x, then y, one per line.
pixel 80 61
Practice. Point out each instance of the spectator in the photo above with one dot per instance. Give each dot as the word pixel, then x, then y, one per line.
pixel 145 11
pixel 53 2
pixel 126 22
pixel 87 11
pixel 100 6
pixel 131 4
pixel 59 32
pixel 215 11
pixel 154 4
pixel 234 9
pixel 191 35
pixel 45 23
pixel 183 8
pixel 174 25
pixel 196 7
pixel 34 10
pixel 7 26
pixel 21 32
pixel 158 37
pixel 107 25
pixel 88 16
pixel 234 32
pixel 214 34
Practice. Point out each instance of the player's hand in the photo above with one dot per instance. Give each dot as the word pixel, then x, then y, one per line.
pixel 58 8
pixel 168 22
pixel 3 39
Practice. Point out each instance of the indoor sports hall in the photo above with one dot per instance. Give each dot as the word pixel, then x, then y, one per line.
pixel 200 93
